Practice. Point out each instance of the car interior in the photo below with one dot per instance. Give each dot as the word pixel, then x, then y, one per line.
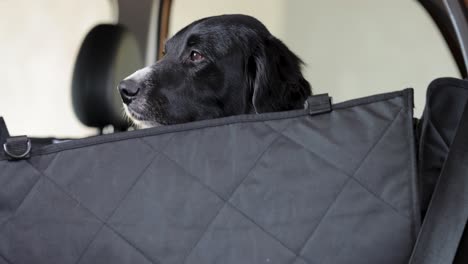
pixel 134 37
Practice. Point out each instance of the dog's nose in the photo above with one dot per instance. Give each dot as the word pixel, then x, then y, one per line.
pixel 128 90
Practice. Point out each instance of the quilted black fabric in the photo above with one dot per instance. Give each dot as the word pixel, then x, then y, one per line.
pixel 445 101
pixel 337 187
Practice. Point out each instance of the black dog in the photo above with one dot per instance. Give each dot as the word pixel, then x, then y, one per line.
pixel 215 67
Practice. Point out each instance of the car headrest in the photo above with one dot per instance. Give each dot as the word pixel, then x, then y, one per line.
pixel 108 54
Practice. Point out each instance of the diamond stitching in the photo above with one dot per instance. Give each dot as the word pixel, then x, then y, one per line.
pixel 226 201
pixel 360 164
pixel 103 222
pixel 350 177
pixel 24 198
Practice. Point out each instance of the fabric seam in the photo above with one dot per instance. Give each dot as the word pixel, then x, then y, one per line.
pixel 95 140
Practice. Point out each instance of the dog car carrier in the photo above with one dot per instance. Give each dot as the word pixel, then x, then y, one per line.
pixel 354 182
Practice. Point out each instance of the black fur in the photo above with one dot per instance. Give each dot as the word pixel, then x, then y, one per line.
pixel 244 70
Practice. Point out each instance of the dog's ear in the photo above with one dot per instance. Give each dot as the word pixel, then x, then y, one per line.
pixel 275 78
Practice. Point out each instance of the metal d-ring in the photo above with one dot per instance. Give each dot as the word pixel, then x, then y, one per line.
pixel 18 156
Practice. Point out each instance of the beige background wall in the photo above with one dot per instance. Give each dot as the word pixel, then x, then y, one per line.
pixel 39 43
pixel 352 48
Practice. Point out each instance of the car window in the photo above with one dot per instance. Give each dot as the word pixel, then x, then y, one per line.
pixel 351 48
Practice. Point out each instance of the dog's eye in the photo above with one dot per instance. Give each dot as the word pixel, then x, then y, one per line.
pixel 195 56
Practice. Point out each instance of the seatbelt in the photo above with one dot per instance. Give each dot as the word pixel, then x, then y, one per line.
pixel 447 215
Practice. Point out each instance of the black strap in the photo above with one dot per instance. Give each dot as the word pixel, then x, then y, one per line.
pixel 13 147
pixel 447 215
pixel 3 131
pixel 317 104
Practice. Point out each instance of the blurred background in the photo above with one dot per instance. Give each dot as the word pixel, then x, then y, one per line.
pixel 351 49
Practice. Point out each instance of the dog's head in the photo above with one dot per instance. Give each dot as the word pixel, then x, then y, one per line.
pixel 217 66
